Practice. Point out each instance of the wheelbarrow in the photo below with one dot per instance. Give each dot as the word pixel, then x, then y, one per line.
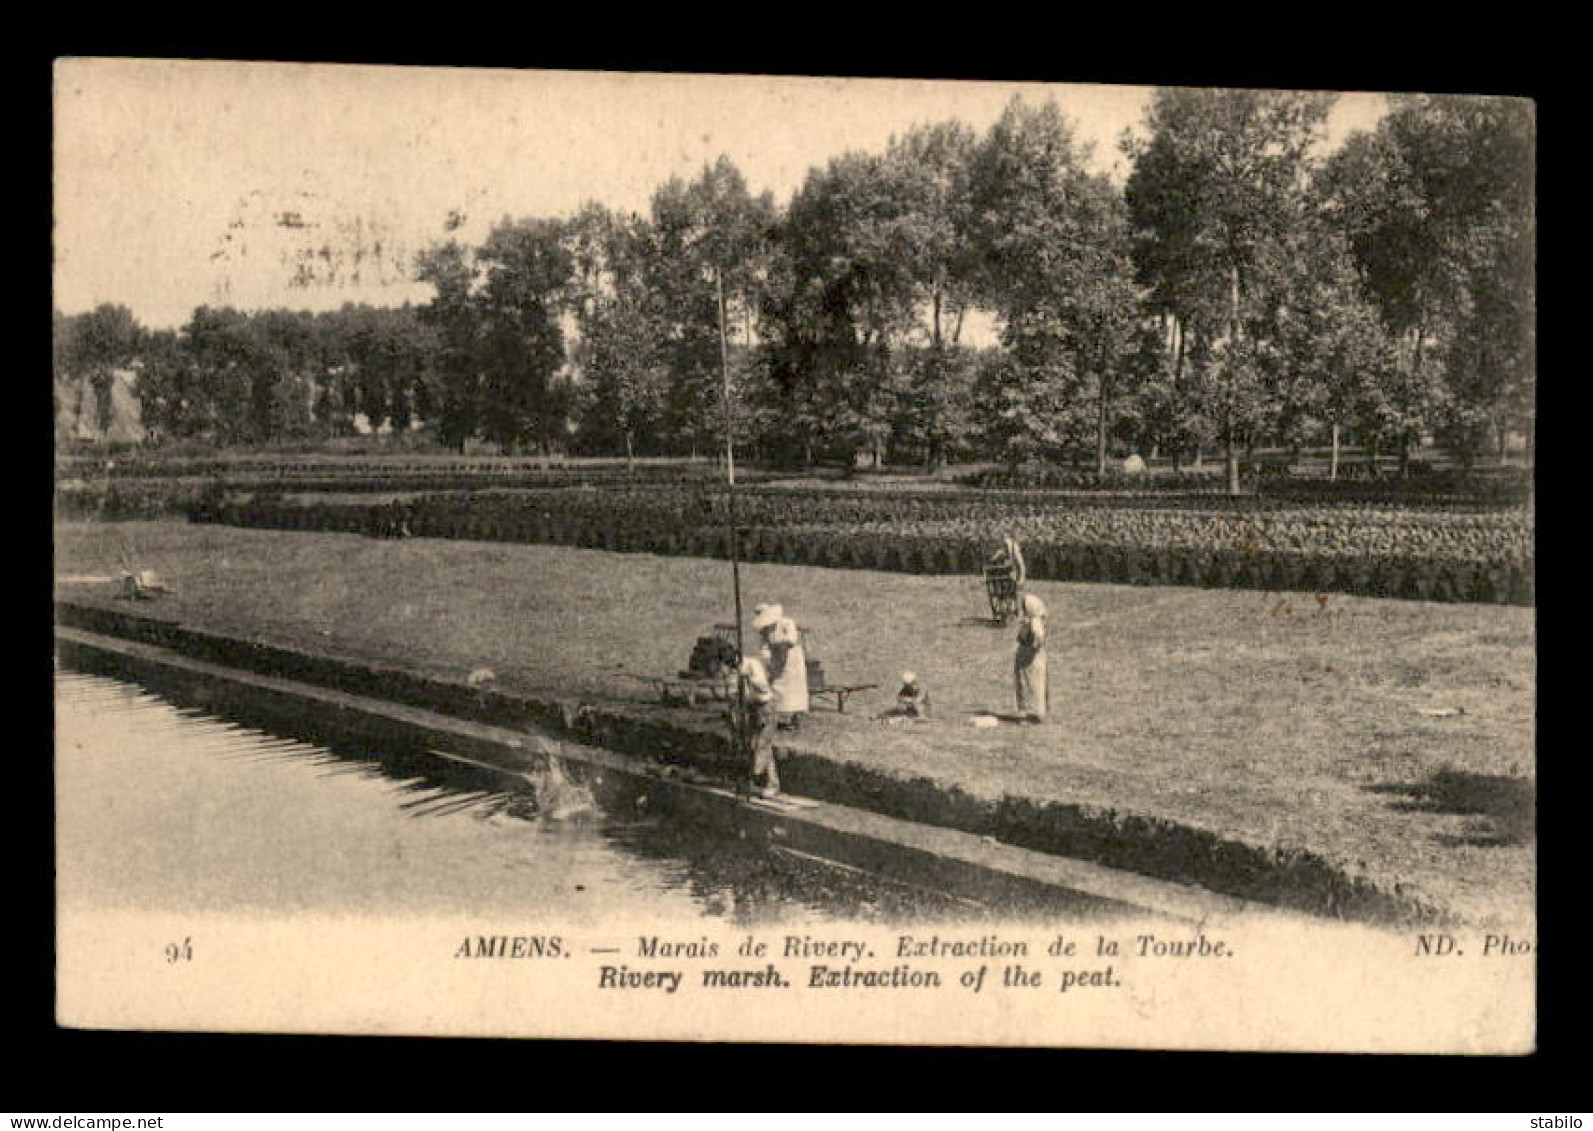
pixel 1001 587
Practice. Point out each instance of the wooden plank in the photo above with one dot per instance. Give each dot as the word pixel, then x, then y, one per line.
pixel 839 692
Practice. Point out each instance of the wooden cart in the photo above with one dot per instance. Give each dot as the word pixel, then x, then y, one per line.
pixel 837 692
pixel 819 686
pixel 1001 587
pixel 1005 574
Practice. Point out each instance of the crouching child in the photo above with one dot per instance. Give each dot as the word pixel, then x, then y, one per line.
pixel 912 700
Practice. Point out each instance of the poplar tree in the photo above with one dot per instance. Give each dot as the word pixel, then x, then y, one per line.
pixel 1218 183
pixel 1438 205
pixel 1054 264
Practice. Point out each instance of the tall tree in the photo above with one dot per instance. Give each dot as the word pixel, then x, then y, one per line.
pixel 526 272
pixel 1055 265
pixel 851 266
pixel 456 391
pixel 707 236
pixel 283 390
pixel 228 367
pixel 932 239
pixel 89 349
pixel 165 388
pixel 374 362
pixel 1217 184
pixel 800 358
pixel 1335 363
pixel 1437 202
pixel 619 351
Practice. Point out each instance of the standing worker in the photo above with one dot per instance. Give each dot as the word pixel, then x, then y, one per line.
pixel 787 662
pixel 1029 663
pixel 757 724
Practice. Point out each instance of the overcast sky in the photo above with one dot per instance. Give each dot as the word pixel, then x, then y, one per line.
pixel 256 184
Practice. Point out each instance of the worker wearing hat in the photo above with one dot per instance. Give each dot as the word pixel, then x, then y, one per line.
pixel 787 661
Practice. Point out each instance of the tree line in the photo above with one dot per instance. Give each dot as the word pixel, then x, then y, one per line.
pixel 1240 288
pixel 235 377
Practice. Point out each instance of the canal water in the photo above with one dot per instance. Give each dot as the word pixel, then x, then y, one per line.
pixel 161 807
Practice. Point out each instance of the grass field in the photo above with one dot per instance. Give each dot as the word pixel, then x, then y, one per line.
pixel 1392 737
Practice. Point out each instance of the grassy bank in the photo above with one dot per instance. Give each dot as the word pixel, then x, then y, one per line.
pixel 1279 720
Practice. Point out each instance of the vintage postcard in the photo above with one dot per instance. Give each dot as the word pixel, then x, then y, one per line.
pixel 769 559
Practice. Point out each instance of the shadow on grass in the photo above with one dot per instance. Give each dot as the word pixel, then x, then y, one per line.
pixel 1504 804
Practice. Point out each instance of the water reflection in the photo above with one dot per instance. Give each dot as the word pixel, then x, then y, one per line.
pixel 167 804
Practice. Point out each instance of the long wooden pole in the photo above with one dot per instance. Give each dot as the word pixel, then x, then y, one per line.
pixel 730 453
pixel 739 729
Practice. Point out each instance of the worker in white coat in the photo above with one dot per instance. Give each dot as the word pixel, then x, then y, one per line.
pixel 788 663
pixel 1029 662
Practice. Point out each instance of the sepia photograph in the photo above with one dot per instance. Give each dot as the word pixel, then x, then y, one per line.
pixel 730 557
